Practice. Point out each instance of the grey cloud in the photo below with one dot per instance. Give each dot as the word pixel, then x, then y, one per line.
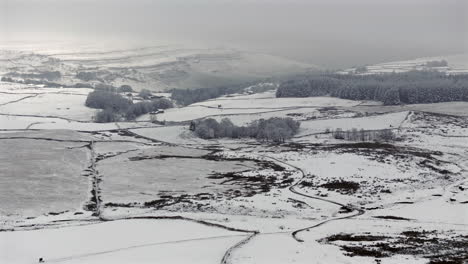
pixel 333 33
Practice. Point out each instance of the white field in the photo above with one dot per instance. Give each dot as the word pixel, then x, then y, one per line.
pixel 296 114
pixel 448 108
pixel 125 241
pixel 385 121
pixel 403 177
pixel 39 176
pixel 12 122
pixel 249 106
pixel 181 135
pixel 196 112
pixel 28 89
pixel 42 175
pixel 8 98
pixel 332 254
pixel 145 180
pixel 60 105
pixel 273 103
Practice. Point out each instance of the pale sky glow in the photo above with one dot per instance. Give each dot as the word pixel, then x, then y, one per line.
pixel 324 32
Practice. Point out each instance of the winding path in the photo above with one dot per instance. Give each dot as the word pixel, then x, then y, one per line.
pixel 228 254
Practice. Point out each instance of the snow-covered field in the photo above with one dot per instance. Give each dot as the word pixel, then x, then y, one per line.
pixel 124 241
pixel 61 105
pixel 70 188
pixel 40 176
pixel 272 103
pixel 143 176
pixel 385 121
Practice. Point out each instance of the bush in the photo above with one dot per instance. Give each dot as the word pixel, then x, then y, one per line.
pixel 7 79
pixel 142 108
pixel 80 85
pixel 106 116
pixel 105 87
pixel 87 76
pixel 162 103
pixel 107 100
pixel 145 94
pixel 125 89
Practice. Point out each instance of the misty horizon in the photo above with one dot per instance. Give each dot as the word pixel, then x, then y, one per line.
pixel 330 34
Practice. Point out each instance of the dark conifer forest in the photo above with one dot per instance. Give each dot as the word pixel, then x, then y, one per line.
pixel 392 89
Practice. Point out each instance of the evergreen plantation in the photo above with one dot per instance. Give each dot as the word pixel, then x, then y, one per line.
pixel 392 89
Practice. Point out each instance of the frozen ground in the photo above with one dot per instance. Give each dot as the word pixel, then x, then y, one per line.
pixel 61 105
pixel 385 121
pixel 71 188
pixel 144 176
pixel 125 241
pixel 41 176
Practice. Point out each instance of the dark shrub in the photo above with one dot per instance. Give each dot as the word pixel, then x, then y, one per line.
pixel 125 89
pixel 105 87
pixel 107 100
pixel 161 103
pixel 106 116
pixel 145 94
pixel 87 76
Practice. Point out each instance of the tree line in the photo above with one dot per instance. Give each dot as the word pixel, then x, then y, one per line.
pixel 363 135
pixel 190 96
pixel 274 129
pixel 115 107
pixel 392 89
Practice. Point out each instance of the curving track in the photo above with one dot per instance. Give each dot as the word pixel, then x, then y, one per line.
pixel 357 212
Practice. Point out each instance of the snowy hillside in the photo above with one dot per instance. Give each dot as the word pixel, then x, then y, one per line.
pixel 455 64
pixel 156 68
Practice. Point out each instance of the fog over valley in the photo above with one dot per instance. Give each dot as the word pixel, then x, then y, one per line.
pixel 328 33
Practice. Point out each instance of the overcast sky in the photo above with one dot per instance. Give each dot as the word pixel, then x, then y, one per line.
pixel 333 33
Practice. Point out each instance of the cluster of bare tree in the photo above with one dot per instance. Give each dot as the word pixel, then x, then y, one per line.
pixel 363 135
pixel 115 106
pixel 274 129
pixel 392 89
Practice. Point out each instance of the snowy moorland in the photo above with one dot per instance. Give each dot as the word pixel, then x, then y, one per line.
pixel 75 191
pixel 157 68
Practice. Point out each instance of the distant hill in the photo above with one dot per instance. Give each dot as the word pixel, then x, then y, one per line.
pixel 451 64
pixel 156 68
